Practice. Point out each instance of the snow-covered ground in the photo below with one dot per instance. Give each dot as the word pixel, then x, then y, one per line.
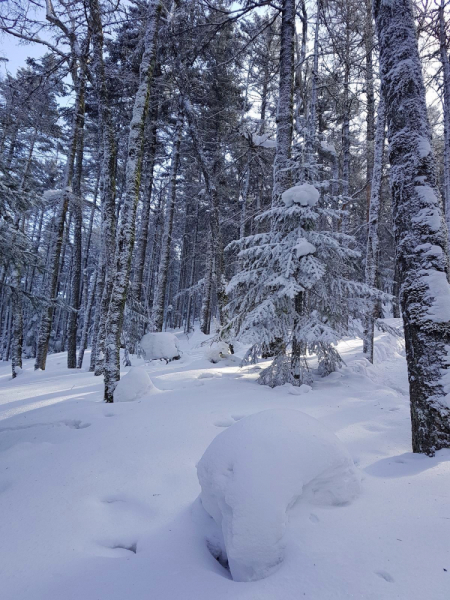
pixel 100 501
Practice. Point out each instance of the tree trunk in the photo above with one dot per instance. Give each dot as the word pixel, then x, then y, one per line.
pixel 125 236
pixel 446 85
pixel 77 214
pixel 50 290
pixel 420 231
pixel 372 236
pixel 160 296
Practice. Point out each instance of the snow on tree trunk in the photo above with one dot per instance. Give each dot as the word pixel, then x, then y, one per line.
pixel 108 184
pixel 282 177
pixel 420 231
pixel 125 235
pixel 160 296
pixel 374 216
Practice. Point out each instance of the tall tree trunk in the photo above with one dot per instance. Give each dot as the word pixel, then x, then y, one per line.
pixel 443 47
pixel 52 282
pixel 77 214
pixel 370 97
pixel 372 236
pixel 420 231
pixel 141 246
pixel 160 296
pixel 108 178
pixel 125 236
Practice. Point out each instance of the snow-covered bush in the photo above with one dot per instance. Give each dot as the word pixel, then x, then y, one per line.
pixel 134 385
pixel 254 472
pixel 216 351
pixel 160 346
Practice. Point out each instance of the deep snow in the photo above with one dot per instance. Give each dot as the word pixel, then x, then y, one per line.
pixel 255 472
pixel 101 501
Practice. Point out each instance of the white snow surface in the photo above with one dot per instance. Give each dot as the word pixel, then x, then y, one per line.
pixel 101 500
pixel 134 385
pixel 253 473
pixel 304 194
pixel 162 345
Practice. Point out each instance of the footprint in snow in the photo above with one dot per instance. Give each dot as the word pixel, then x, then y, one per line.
pixel 74 424
pixel 314 518
pixel 237 417
pixel 224 422
pixel 385 575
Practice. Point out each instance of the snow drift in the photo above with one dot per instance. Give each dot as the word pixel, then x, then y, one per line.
pixel 254 472
pixel 160 346
pixel 134 385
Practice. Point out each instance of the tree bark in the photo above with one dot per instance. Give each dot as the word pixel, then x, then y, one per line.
pixel 420 230
pixel 125 236
pixel 160 296
pixel 372 236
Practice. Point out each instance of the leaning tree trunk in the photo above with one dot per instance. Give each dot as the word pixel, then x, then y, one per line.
pixel 420 230
pixel 163 272
pixel 374 216
pixel 125 236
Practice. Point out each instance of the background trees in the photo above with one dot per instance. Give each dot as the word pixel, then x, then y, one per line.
pixel 143 161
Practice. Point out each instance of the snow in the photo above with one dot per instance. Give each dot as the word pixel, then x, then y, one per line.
pixel 423 147
pixel 303 247
pixel 438 294
pixel 304 194
pixel 328 147
pixel 253 473
pixel 428 216
pixel 156 346
pixel 263 141
pixel 100 501
pixel 217 351
pixel 136 384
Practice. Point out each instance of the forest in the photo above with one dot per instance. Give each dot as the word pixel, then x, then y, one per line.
pixel 269 179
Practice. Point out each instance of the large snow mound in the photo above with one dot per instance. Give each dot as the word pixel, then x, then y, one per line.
pixel 254 472
pixel 304 194
pixel 163 345
pixel 134 385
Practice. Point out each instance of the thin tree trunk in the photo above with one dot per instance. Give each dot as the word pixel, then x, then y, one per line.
pixel 446 85
pixel 77 213
pixel 372 236
pixel 87 318
pixel 52 282
pixel 160 296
